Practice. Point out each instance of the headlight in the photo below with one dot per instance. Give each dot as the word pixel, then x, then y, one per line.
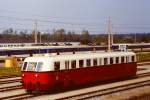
pixel 36 75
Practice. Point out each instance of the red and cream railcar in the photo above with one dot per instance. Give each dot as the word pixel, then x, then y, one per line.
pixel 50 72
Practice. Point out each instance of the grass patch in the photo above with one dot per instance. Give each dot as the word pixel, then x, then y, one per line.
pixel 12 71
pixel 143 56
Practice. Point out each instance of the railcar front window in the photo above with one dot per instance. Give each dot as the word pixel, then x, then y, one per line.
pixel 39 66
pixel 31 66
pixel 24 66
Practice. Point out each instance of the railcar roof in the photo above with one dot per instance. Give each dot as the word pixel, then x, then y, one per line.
pixel 79 56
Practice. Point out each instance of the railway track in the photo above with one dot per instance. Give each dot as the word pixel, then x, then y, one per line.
pixel 143 63
pixel 81 95
pixel 18 97
pixel 143 74
pixel 104 92
pixel 9 81
pixel 10 88
pixel 87 95
pixel 143 80
pixel 8 76
pixel 9 84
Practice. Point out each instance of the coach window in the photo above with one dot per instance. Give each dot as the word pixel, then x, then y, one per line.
pixel 88 62
pixel 133 58
pixel 105 61
pixel 57 65
pixel 122 59
pixel 73 64
pixel 81 63
pixel 117 60
pixel 111 60
pixel 95 62
pixel 66 64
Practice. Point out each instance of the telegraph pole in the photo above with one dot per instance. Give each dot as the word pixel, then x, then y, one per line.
pixel 40 37
pixel 35 32
pixel 110 35
pixel 135 38
pixel 112 38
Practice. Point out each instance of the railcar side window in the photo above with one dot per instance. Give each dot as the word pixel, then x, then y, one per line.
pixel 88 62
pixel 133 58
pixel 73 64
pixel 95 62
pixel 57 65
pixel 81 63
pixel 66 64
pixel 122 59
pixel 111 60
pixel 127 59
pixel 39 66
pixel 117 60
pixel 31 66
pixel 105 61
pixel 24 66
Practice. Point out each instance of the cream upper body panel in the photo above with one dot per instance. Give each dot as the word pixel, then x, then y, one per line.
pixel 49 60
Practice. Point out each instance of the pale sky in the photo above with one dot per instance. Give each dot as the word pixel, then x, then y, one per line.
pixel 76 15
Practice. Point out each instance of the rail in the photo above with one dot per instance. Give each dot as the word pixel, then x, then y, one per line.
pixel 108 91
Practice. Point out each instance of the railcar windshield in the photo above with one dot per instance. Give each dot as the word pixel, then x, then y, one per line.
pixel 31 66
pixel 24 66
pixel 39 66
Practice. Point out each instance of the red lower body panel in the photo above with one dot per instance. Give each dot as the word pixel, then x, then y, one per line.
pixel 44 81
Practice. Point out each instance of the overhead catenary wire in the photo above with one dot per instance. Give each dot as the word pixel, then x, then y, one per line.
pixel 81 26
pixel 73 23
pixel 49 21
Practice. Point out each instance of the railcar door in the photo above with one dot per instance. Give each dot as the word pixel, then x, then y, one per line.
pixel 58 76
pixel 56 68
pixel 66 74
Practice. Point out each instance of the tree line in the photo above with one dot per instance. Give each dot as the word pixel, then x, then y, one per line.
pixel 61 35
